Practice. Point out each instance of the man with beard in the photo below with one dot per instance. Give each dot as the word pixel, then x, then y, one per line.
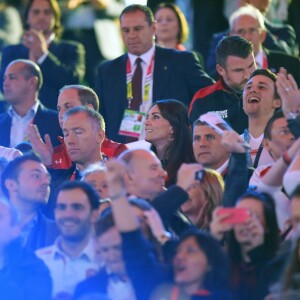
pixel 235 63
pixel 72 258
pixel 25 181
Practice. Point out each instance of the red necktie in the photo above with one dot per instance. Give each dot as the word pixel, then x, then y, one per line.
pixel 137 86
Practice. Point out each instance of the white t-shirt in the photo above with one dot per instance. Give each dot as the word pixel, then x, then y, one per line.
pixel 254 143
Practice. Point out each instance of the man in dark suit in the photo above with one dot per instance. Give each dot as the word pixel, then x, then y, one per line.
pixel 167 73
pixel 22 82
pixel 61 62
pixel 25 181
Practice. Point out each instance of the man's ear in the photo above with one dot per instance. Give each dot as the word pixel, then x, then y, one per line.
pixel 220 70
pixel 263 35
pixel 33 81
pixel 128 179
pixel 276 103
pixel 10 184
pixel 100 136
pixel 154 28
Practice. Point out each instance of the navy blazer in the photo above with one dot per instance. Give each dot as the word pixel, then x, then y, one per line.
pixel 177 75
pixel 65 64
pixel 45 119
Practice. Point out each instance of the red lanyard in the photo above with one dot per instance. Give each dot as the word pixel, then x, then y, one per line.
pixel 148 80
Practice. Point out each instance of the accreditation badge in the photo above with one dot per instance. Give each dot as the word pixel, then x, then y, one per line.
pixel 132 123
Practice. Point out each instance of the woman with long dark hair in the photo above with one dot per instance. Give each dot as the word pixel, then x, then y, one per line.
pixel 251 244
pixel 167 129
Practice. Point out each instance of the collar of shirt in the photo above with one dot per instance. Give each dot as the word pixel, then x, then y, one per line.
pixel 26 230
pixel 146 57
pixel 223 167
pixel 259 58
pixel 89 252
pixel 50 39
pixel 30 113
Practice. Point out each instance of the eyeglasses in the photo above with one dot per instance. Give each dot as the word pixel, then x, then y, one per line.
pixel 250 31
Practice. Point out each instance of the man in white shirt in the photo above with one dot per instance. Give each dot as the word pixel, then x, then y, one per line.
pixel 73 256
pixel 21 83
pixel 260 101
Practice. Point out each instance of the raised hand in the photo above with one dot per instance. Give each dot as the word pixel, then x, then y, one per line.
pixel 35 41
pixel 288 91
pixel 217 226
pixel 232 142
pixel 45 150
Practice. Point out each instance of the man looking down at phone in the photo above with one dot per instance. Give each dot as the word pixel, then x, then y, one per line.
pixel 252 241
pixel 235 63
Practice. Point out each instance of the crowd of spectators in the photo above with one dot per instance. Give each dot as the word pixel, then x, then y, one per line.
pixel 134 166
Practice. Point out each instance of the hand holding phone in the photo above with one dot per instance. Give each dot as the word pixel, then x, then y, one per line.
pixel 236 215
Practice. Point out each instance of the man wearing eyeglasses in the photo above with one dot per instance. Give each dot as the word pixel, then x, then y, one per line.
pixel 248 22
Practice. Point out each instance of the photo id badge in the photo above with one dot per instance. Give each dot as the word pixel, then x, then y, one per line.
pixel 132 123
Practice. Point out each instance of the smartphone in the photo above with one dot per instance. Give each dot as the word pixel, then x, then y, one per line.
pixel 199 175
pixel 237 215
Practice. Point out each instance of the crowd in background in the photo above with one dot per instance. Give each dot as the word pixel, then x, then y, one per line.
pixel 150 150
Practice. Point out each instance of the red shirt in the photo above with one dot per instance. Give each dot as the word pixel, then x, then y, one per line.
pixel 62 160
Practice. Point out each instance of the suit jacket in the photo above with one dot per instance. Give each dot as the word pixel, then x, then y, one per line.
pixel 277 59
pixel 43 234
pixel 177 75
pixel 45 119
pixel 94 285
pixel 24 276
pixel 65 64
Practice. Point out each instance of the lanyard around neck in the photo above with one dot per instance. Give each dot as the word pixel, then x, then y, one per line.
pixel 147 84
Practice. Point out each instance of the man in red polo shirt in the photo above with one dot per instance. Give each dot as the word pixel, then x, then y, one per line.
pixel 57 158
